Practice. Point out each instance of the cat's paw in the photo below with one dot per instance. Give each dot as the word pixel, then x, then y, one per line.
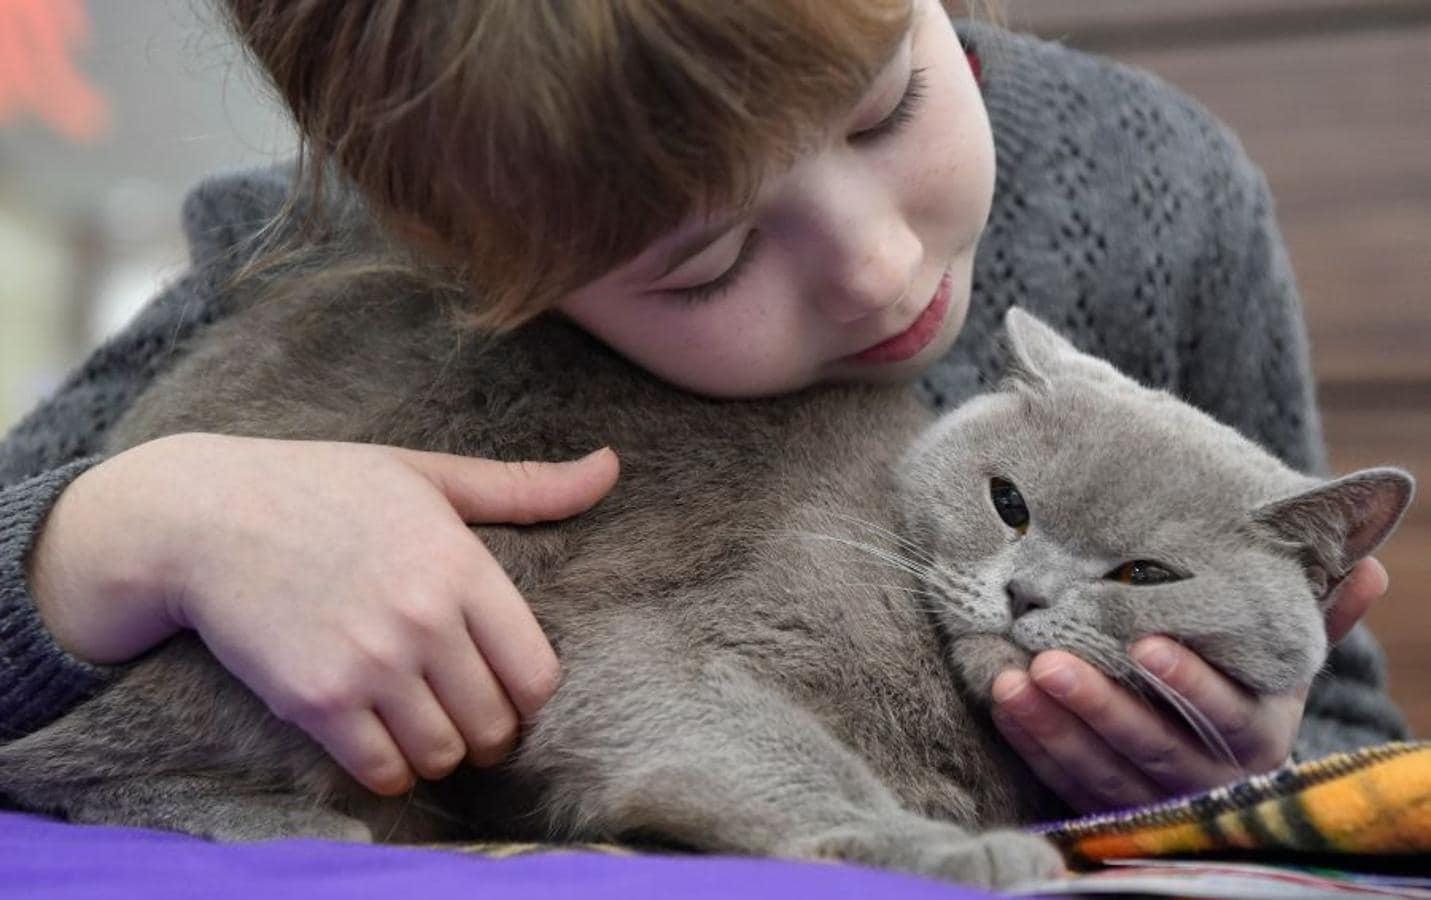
pixel 994 859
pixel 1003 859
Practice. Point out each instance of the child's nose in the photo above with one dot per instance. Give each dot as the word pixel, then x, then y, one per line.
pixel 875 271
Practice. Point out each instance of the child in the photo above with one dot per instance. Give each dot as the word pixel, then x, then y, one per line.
pixel 745 198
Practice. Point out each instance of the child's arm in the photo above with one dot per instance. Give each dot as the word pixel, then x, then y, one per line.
pixel 100 560
pixel 106 529
pixel 339 582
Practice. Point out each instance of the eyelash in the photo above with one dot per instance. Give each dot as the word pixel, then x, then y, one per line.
pixel 903 113
pixel 900 116
pixel 722 282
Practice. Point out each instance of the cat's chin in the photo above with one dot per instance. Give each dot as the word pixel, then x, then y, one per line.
pixel 979 658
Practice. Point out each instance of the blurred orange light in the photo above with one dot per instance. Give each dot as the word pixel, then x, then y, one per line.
pixel 38 39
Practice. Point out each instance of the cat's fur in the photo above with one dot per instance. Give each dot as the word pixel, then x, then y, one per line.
pixel 777 633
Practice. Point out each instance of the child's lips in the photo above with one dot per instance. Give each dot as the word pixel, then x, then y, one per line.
pixel 914 338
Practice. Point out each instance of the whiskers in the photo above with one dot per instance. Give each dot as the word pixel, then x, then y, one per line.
pixel 939 591
pixel 1200 724
pixel 413 801
pixel 932 587
pixel 933 604
pixel 904 556
pixel 908 546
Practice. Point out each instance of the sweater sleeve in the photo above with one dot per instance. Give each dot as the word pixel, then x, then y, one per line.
pixel 1252 370
pixel 54 444
pixel 64 436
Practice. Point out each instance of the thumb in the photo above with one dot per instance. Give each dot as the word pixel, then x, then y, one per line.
pixel 488 491
pixel 1364 585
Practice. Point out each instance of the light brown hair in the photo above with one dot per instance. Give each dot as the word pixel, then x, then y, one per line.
pixel 531 145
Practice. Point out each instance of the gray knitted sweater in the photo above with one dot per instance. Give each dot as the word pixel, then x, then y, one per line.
pixel 1123 214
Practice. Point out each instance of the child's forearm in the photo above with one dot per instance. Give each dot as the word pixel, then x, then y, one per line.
pixel 38 680
pixel 99 595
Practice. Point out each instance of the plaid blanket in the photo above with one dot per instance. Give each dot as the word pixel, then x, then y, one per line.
pixel 1372 801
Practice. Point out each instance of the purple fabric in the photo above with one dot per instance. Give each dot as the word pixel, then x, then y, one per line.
pixel 43 858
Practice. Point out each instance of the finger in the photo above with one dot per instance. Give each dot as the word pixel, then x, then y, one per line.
pixel 509 637
pixel 1161 750
pixel 483 490
pixel 1048 771
pixel 360 743
pixel 475 702
pixel 424 734
pixel 1097 771
pixel 1253 732
pixel 1366 583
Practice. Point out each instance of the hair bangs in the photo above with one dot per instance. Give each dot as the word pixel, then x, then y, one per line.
pixel 533 145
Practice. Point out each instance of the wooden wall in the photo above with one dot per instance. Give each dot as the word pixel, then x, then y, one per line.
pixel 1332 98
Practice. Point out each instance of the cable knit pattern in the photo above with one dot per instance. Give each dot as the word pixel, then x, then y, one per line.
pixel 1123 214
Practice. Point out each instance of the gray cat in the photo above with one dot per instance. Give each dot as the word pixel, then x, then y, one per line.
pixel 778 633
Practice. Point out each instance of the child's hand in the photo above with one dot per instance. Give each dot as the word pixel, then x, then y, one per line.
pixel 339 581
pixel 1100 747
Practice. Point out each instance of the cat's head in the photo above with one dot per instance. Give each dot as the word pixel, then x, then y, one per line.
pixel 1073 508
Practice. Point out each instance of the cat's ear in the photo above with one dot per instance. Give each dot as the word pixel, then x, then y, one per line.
pixel 1037 354
pixel 1034 349
pixel 1338 523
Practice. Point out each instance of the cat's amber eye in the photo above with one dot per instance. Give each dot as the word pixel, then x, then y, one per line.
pixel 1009 504
pixel 1141 572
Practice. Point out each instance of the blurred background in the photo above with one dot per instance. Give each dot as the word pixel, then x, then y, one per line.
pixel 111 109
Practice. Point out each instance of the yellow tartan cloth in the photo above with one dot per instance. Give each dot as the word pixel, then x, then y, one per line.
pixel 1376 800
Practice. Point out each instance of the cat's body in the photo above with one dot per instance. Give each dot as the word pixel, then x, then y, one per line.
pixel 755 656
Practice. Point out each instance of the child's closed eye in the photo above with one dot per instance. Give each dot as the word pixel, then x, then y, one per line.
pixel 709 290
pixel 902 114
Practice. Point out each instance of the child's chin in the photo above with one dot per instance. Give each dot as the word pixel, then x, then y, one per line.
pixel 979 658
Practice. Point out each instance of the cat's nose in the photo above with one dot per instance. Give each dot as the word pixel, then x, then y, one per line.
pixel 1023 598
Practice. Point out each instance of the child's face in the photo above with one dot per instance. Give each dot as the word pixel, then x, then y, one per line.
pixel 854 264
